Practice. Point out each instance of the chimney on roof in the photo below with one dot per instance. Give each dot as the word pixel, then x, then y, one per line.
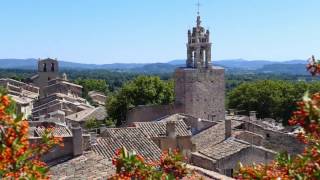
pixel 252 115
pixel 102 128
pixel 232 112
pixel 171 129
pixel 227 127
pixel 77 140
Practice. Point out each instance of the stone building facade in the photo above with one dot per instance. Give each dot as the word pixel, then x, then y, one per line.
pixel 23 94
pixel 61 100
pixel 98 97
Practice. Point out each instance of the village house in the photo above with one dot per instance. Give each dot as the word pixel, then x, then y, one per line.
pixel 23 94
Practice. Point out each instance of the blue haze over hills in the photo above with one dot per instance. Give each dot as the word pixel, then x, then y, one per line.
pixel 231 65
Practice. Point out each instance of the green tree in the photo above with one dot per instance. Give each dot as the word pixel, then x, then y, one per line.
pixel 143 90
pixel 92 85
pixel 270 98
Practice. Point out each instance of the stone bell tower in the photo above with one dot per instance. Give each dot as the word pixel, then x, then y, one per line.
pixel 200 87
pixel 198 47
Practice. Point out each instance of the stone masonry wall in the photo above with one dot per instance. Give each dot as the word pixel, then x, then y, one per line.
pixel 250 137
pixel 201 92
pixel 151 113
pixel 275 140
pixel 57 152
pixel 246 156
pixel 202 161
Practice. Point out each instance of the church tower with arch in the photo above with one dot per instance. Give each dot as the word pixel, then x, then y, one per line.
pixel 199 86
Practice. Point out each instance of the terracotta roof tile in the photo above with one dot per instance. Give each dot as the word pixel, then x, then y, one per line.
pixel 212 135
pixel 131 138
pixel 158 128
pixel 224 149
pixel 98 113
pixel 88 166
pixel 57 131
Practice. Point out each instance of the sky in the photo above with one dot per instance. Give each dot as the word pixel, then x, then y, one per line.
pixel 146 31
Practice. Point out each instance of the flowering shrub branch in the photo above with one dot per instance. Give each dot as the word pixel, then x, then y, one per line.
pixel 307 164
pixel 18 158
pixel 130 165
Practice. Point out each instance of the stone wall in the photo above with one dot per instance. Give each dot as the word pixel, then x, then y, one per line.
pixel 197 125
pixel 60 86
pixel 150 113
pixel 57 152
pixel 247 156
pixel 24 109
pixel 183 143
pixel 276 140
pixel 250 137
pixel 20 85
pixel 202 161
pixel 36 112
pixel 201 92
pixel 44 101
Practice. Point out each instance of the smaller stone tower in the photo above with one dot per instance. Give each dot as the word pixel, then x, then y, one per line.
pixel 48 69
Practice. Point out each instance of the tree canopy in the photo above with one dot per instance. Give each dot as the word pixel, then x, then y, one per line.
pixel 143 90
pixel 270 98
pixel 304 165
pixel 93 85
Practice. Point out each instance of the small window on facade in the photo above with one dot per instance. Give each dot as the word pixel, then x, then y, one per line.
pixel 268 135
pixel 229 172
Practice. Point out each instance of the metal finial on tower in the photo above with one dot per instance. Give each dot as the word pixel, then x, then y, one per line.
pixel 198 6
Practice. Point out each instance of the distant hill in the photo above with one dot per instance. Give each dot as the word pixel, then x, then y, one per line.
pixel 284 68
pixel 18 63
pixel 155 68
pixel 32 64
pixel 231 65
pixel 243 64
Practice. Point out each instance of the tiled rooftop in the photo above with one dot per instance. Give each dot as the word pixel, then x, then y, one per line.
pixel 173 117
pixel 158 128
pixel 98 113
pixel 88 166
pixel 57 131
pixel 224 149
pixel 212 135
pixel 132 139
